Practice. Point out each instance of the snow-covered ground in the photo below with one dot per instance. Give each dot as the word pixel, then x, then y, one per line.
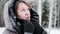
pixel 1 30
pixel 52 31
pixel 55 31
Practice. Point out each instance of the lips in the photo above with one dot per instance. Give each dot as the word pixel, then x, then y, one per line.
pixel 27 16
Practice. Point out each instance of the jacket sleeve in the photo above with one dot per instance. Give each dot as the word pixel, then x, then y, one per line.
pixel 35 21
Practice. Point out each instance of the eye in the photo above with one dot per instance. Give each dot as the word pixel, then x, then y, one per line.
pixel 23 10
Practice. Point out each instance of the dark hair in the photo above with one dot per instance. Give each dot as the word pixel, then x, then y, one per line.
pixel 16 4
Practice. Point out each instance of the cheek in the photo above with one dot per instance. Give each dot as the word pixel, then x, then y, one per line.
pixel 20 14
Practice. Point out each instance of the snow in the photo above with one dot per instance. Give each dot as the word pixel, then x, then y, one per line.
pixel 1 30
pixel 53 31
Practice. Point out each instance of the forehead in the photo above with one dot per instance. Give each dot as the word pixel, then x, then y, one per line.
pixel 22 5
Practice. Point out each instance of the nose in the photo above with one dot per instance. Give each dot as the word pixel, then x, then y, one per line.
pixel 27 13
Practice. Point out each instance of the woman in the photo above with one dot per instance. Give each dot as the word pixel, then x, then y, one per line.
pixel 21 19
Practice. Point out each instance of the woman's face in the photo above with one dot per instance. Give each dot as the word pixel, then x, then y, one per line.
pixel 23 11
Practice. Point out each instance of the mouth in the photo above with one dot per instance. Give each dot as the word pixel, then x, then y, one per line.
pixel 27 17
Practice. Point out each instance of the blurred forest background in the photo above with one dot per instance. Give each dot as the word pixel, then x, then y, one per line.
pixel 45 4
pixel 55 4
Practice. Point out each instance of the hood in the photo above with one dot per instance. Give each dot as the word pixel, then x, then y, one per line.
pixel 9 21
